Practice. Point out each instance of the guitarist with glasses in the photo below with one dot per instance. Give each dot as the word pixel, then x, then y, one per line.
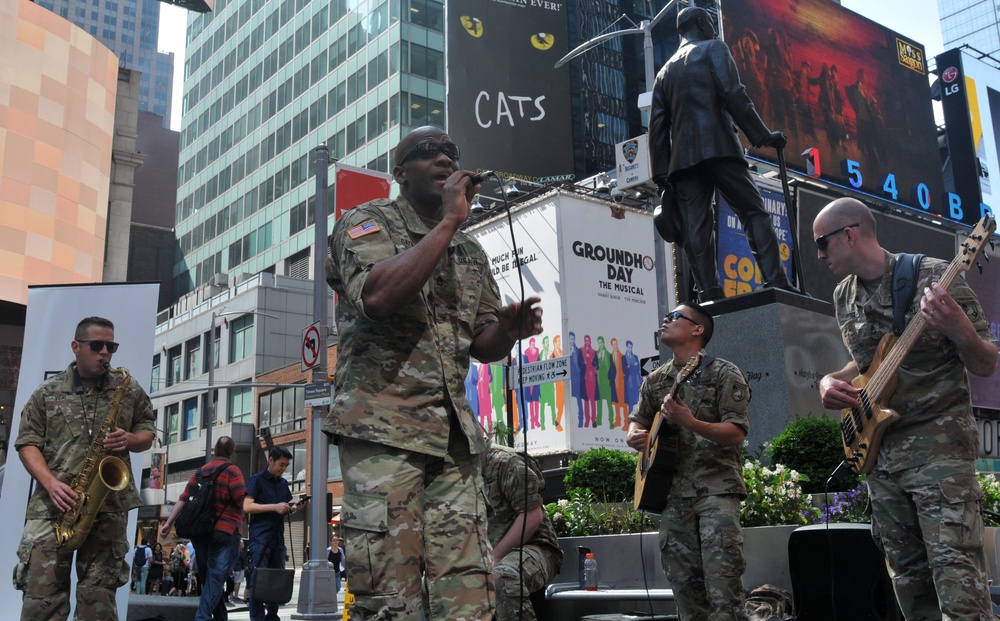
pixel 689 426
pixel 923 487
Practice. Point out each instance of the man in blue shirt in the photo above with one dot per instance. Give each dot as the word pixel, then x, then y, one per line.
pixel 267 501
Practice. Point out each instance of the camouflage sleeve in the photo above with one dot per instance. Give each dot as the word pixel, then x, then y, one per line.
pixel 360 240
pixel 31 430
pixel 966 298
pixel 650 399
pixel 511 476
pixel 734 397
pixel 489 303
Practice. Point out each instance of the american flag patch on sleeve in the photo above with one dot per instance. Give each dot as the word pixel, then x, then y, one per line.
pixel 365 228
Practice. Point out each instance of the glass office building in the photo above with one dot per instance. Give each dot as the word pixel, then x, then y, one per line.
pixel 130 28
pixel 972 22
pixel 266 82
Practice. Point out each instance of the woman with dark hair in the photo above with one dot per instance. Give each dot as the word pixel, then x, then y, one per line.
pixel 156 570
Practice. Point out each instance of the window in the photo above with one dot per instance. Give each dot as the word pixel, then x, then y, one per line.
pixel 283 410
pixel 174 372
pixel 241 338
pixel 154 380
pixel 173 421
pixel 190 419
pixel 240 404
pixel 193 363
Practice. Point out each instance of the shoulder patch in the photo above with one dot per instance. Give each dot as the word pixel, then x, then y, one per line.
pixel 365 228
pixel 739 394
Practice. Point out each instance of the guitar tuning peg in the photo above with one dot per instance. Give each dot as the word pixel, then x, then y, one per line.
pixel 980 266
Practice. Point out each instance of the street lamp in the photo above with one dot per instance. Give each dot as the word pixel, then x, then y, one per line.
pixel 210 356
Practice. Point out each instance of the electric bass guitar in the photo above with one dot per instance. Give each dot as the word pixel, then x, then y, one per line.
pixel 864 427
pixel 655 471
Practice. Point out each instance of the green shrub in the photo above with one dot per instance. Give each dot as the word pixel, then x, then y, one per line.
pixel 607 473
pixel 814 448
pixel 583 516
pixel 991 497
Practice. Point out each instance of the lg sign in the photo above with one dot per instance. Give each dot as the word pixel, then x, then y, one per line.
pixel 949 76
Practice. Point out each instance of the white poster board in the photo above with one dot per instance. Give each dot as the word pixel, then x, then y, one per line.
pixel 52 315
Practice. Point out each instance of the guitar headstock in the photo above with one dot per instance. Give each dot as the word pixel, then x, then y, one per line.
pixel 977 240
pixel 689 369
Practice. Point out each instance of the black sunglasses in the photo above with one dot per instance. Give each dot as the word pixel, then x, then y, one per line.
pixel 675 315
pixel 428 150
pixel 824 240
pixel 97 346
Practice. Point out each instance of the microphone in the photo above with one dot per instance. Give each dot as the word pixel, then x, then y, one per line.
pixel 478 178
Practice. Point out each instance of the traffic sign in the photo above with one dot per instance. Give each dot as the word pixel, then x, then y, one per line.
pixel 541 372
pixel 317 393
pixel 311 343
pixel 648 365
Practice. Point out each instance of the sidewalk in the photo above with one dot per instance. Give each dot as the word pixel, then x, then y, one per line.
pixel 241 612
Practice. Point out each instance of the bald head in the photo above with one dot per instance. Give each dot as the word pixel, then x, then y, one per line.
pixel 416 136
pixel 845 212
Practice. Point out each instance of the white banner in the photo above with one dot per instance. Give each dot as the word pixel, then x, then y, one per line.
pixel 52 315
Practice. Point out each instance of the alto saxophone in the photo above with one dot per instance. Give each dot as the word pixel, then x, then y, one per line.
pixel 102 473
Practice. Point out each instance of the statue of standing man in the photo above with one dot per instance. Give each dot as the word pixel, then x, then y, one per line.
pixel 698 100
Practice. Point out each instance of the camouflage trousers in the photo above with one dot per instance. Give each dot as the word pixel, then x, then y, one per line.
pixel 43 571
pixel 927 522
pixel 701 548
pixel 516 581
pixel 411 519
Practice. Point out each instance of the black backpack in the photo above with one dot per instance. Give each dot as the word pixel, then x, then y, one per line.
pixel 197 518
pixel 139 558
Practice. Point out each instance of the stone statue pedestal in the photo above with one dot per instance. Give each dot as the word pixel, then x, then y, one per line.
pixel 784 343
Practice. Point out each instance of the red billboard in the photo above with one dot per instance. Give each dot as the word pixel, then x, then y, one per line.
pixel 852 95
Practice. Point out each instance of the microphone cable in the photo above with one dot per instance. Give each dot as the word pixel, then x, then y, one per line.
pixel 520 401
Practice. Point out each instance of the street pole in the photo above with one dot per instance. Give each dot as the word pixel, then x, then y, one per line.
pixel 318 587
pixel 210 405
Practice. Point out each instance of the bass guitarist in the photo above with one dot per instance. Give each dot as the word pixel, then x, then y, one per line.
pixel 700 535
pixel 924 492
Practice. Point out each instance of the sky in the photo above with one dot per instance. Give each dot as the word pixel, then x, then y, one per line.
pixel 915 19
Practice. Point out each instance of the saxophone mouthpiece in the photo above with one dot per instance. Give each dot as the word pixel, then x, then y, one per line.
pixel 105 364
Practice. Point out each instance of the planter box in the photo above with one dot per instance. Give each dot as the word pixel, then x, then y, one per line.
pixel 633 561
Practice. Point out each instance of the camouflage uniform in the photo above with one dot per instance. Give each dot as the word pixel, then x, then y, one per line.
pixel 701 542
pixel 58 421
pixel 409 441
pixel 509 495
pixel 925 496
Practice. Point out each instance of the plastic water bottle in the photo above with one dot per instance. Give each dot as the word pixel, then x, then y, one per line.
pixel 590 572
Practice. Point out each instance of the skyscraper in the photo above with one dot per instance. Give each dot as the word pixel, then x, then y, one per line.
pixel 266 82
pixel 130 29
pixel 972 22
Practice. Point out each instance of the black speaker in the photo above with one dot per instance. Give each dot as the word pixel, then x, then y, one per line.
pixel 839 575
pixel 161 608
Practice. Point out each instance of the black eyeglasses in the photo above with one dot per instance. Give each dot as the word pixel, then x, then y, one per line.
pixel 675 315
pixel 97 346
pixel 824 240
pixel 428 150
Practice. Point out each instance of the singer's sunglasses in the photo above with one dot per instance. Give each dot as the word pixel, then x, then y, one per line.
pixel 97 346
pixel 675 315
pixel 824 240
pixel 428 150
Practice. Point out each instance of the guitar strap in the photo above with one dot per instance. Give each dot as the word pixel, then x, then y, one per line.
pixel 904 287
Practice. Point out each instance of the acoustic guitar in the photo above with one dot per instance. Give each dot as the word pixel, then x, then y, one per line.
pixel 655 471
pixel 864 427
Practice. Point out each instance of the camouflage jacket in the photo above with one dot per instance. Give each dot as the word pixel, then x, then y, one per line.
pixel 504 472
pixel 401 381
pixel 933 394
pixel 59 422
pixel 715 393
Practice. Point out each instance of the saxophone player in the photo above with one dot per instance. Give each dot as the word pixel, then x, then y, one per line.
pixel 61 430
